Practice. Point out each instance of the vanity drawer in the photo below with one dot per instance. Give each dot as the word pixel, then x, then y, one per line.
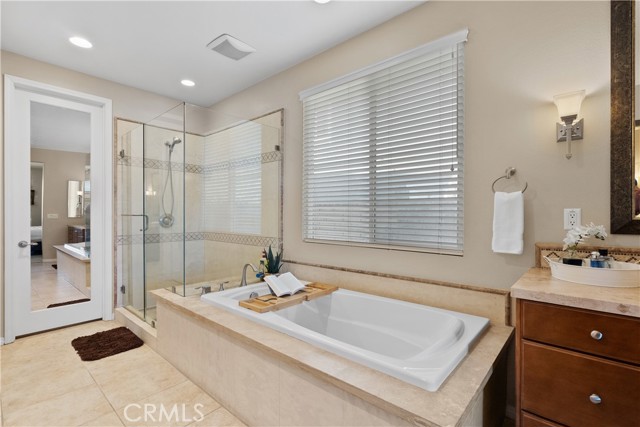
pixel 529 420
pixel 559 385
pixel 578 329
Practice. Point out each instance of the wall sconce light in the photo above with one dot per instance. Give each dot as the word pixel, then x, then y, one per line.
pixel 568 108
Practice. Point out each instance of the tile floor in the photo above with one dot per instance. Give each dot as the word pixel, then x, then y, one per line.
pixel 44 383
pixel 47 287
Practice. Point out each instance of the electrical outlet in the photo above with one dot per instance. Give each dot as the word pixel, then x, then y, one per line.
pixel 572 218
pixel 52 216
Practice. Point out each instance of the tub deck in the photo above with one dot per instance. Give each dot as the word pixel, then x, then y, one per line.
pixel 452 405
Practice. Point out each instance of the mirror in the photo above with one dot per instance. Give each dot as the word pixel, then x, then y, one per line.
pixel 75 199
pixel 60 176
pixel 623 167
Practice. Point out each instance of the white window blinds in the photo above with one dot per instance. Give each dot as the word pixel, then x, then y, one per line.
pixel 383 153
pixel 233 180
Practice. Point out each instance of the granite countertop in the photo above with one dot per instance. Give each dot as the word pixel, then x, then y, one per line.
pixel 537 284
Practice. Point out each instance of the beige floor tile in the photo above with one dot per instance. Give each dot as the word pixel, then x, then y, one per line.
pixel 128 378
pixel 41 386
pixel 108 420
pixel 219 418
pixel 70 409
pixel 176 406
pixel 51 344
pixel 102 369
pixel 44 383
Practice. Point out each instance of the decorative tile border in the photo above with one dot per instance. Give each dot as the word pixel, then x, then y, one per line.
pixel 554 251
pixel 159 164
pixel 243 239
pixel 238 239
pixel 272 156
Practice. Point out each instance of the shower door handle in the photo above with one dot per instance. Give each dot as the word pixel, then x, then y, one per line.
pixel 145 220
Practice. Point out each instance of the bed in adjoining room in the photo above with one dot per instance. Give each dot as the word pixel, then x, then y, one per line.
pixel 36 237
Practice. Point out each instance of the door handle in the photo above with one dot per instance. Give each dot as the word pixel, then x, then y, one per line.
pixel 145 220
pixel 24 244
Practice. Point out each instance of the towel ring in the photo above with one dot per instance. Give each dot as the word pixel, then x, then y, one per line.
pixel 507 175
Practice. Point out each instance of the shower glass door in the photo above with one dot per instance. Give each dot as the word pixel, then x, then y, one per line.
pixel 164 255
pixel 130 266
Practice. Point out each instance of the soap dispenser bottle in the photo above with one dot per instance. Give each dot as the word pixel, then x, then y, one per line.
pixel 597 261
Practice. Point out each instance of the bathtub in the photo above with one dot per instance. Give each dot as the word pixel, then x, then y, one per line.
pixel 414 343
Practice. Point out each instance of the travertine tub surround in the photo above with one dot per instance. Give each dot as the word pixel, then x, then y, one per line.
pixel 268 378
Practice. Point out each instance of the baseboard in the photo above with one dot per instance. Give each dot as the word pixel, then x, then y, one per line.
pixel 49 260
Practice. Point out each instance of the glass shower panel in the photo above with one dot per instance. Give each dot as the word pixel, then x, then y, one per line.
pixel 131 219
pixel 241 193
pixel 164 205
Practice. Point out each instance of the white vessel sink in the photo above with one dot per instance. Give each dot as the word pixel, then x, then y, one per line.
pixel 620 275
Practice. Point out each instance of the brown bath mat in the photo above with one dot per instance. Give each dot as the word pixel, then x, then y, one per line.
pixel 75 301
pixel 105 344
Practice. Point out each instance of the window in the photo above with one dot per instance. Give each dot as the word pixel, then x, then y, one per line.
pixel 383 153
pixel 233 180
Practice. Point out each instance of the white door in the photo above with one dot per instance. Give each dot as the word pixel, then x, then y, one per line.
pixel 69 133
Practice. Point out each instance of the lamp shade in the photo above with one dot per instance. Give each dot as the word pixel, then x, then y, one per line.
pixel 569 103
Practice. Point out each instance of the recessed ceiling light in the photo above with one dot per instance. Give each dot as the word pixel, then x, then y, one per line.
pixel 80 42
pixel 322 1
pixel 186 82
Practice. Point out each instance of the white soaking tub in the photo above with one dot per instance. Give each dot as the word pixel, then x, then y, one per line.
pixel 415 343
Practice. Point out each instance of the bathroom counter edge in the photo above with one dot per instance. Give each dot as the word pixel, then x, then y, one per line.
pixel 537 284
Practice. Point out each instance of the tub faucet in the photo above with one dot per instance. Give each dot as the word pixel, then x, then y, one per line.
pixel 243 282
pixel 204 289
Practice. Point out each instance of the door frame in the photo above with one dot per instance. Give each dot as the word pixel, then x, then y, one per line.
pixel 101 187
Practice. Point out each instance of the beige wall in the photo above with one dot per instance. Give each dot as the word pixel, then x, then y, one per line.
pixel 514 67
pixel 36 188
pixel 134 104
pixel 60 167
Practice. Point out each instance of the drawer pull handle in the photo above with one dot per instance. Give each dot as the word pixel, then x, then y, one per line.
pixel 596 335
pixel 595 399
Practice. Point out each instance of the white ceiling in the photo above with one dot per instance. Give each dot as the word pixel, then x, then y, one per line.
pixel 152 45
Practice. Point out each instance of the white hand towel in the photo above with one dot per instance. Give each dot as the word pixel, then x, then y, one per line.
pixel 508 223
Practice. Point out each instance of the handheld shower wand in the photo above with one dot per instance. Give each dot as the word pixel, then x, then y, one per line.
pixel 171 144
pixel 166 220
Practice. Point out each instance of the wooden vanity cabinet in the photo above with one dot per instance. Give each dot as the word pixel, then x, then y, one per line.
pixel 76 233
pixel 576 367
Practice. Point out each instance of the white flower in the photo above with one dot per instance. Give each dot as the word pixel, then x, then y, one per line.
pixel 577 234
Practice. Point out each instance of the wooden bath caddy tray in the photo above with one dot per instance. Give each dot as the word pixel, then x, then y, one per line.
pixel 267 303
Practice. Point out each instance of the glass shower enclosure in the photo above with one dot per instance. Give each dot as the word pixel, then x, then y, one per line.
pixel 198 196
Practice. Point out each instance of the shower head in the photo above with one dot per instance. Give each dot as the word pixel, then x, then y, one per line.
pixel 175 141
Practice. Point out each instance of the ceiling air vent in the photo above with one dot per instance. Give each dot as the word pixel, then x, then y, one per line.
pixel 230 47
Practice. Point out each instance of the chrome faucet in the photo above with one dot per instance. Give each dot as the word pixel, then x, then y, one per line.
pixel 221 286
pixel 204 289
pixel 243 282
